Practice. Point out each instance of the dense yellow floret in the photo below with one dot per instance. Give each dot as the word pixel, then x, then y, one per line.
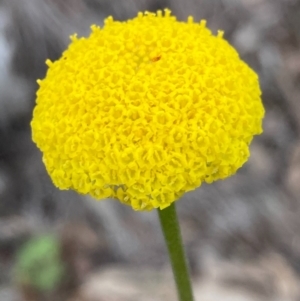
pixel 146 110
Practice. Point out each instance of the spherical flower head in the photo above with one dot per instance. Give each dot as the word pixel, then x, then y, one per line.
pixel 146 110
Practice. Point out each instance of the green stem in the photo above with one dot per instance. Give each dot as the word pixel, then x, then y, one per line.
pixel 170 228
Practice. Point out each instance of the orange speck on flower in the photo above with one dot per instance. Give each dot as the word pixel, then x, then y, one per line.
pixel 155 59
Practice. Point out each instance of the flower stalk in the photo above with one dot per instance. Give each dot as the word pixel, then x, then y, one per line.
pixel 170 227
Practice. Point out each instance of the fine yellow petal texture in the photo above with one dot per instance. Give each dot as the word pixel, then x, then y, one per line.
pixel 146 110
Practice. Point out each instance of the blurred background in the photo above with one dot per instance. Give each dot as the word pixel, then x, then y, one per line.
pixel 242 235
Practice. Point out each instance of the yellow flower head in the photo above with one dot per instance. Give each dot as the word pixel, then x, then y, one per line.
pixel 146 110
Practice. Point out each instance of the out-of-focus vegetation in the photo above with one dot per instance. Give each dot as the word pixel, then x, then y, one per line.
pixel 39 263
